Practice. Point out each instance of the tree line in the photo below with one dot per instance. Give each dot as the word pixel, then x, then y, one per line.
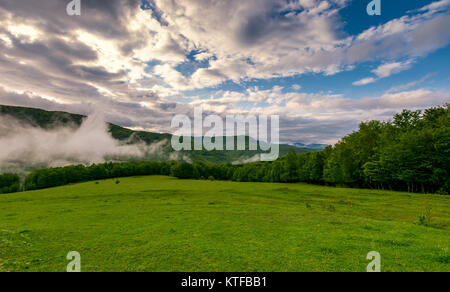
pixel 9 183
pixel 409 153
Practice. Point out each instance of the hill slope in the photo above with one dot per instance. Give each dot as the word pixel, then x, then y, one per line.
pixel 163 224
pixel 49 120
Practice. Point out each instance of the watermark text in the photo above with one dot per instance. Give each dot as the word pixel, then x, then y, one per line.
pixel 236 129
pixel 374 8
pixel 74 8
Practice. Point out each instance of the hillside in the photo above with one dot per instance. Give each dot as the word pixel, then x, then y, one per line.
pixel 54 119
pixel 49 120
pixel 163 224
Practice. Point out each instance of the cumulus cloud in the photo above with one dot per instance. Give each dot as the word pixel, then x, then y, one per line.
pixel 385 70
pixel 364 81
pixel 324 117
pixel 239 39
pixel 125 62
pixel 436 6
pixel 388 69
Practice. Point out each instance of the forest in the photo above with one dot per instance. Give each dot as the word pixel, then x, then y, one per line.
pixel 9 183
pixel 409 153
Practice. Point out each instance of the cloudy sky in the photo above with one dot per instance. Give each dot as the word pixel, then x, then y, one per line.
pixel 322 65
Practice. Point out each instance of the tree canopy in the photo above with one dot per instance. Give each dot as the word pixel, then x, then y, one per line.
pixel 409 153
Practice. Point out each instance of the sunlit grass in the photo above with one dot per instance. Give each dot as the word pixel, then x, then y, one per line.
pixel 165 224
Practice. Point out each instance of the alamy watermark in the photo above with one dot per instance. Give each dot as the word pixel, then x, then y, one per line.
pixel 375 264
pixel 374 8
pixel 75 262
pixel 190 136
pixel 74 8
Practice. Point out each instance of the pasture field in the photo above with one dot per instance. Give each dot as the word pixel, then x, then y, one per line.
pixel 164 224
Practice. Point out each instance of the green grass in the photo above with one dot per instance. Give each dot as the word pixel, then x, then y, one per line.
pixel 164 224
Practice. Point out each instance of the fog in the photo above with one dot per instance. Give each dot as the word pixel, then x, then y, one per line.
pixel 254 158
pixel 23 146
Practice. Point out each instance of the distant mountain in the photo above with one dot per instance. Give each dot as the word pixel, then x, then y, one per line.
pixel 53 119
pixel 50 120
pixel 310 146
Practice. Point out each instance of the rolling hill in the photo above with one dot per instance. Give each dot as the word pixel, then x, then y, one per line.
pixel 50 120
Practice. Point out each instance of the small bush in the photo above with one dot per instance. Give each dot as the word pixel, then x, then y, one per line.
pixel 331 208
pixel 308 206
pixel 117 182
pixel 211 178
pixel 426 218
pixel 443 192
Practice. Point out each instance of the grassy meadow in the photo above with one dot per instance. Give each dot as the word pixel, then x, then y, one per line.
pixel 164 224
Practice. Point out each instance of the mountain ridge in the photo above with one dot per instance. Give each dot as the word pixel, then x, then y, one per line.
pixel 310 146
pixel 49 120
